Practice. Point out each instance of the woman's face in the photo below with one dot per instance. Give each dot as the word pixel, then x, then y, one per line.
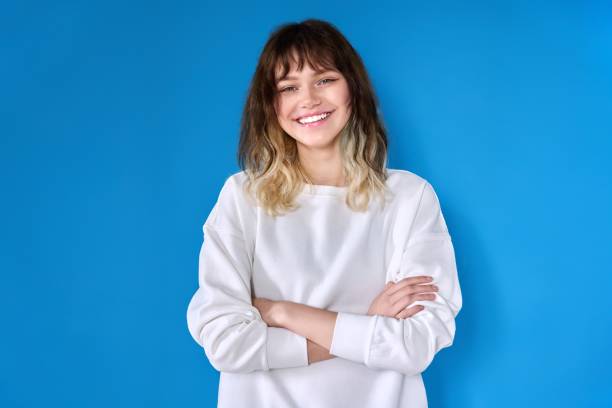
pixel 312 107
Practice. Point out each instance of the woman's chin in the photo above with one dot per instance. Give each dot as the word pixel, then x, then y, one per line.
pixel 317 141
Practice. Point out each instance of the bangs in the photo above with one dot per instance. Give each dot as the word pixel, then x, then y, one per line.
pixel 318 56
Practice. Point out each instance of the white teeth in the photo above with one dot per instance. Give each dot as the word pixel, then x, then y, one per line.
pixel 311 119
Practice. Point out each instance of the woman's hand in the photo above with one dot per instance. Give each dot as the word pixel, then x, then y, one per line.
pixel 395 297
pixel 270 311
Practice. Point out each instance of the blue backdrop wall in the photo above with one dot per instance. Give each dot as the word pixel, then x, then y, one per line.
pixel 119 124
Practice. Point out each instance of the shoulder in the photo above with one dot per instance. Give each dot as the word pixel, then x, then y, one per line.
pixel 232 190
pixel 411 189
pixel 418 201
pixel 404 182
pixel 237 178
pixel 232 209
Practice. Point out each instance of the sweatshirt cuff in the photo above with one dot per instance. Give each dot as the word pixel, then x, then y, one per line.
pixel 352 336
pixel 285 349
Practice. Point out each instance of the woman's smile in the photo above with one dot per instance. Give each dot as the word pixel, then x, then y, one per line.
pixel 314 121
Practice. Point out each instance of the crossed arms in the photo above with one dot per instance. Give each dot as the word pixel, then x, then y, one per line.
pixel 225 320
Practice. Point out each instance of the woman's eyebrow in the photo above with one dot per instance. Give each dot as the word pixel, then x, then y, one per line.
pixel 291 77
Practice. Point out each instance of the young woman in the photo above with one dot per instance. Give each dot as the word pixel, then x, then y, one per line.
pixel 325 279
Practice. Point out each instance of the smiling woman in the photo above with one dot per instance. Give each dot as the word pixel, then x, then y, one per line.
pixel 304 70
pixel 311 293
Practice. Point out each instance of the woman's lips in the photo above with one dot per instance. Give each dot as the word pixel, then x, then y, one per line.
pixel 317 123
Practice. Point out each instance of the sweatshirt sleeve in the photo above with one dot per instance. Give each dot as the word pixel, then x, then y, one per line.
pixel 220 315
pixel 409 345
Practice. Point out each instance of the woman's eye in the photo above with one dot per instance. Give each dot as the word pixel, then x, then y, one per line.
pixel 292 88
pixel 328 79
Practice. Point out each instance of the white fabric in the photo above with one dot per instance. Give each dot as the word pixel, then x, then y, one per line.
pixel 327 256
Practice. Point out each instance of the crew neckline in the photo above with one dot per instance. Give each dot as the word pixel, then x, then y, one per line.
pixel 322 189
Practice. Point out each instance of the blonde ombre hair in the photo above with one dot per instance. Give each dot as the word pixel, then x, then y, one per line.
pixel 269 156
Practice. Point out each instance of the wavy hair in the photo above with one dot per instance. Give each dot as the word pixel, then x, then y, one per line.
pixel 269 156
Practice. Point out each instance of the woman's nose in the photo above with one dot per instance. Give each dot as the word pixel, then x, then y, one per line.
pixel 310 98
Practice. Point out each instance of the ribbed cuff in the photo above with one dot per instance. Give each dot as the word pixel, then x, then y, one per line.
pixel 285 349
pixel 352 336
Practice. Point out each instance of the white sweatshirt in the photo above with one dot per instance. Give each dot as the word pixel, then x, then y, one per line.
pixel 327 256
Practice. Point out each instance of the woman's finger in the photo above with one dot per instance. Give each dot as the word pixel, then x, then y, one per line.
pixel 400 305
pixel 408 300
pixel 413 280
pixel 411 290
pixel 411 311
pixel 423 296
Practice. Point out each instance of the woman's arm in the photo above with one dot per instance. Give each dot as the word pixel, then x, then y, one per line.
pixel 317 325
pixel 409 345
pixel 220 316
pixel 307 321
pixel 314 323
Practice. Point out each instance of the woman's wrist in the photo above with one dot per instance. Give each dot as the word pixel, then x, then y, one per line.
pixel 317 353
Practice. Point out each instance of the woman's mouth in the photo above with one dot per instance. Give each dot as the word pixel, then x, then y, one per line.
pixel 313 121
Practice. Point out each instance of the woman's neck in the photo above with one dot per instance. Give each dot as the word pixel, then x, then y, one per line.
pixel 323 169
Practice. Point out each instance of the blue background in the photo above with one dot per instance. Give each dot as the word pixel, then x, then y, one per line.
pixel 119 124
